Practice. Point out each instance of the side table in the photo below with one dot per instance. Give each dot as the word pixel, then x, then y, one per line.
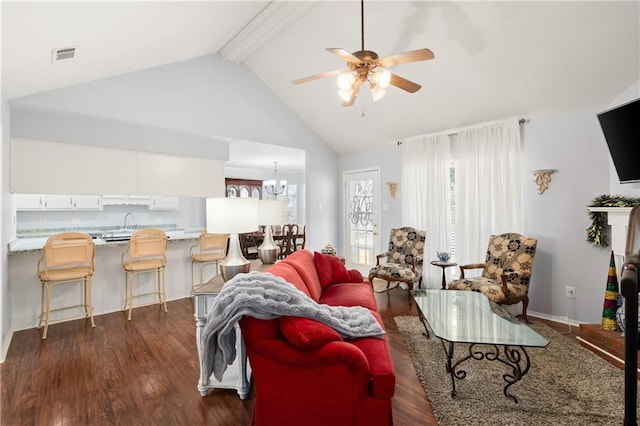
pixel 443 265
pixel 238 374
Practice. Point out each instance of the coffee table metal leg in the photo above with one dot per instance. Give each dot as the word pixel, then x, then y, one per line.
pixel 515 357
pixel 448 350
pixel 424 324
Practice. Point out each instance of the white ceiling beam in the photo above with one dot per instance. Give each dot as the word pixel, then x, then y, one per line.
pixel 269 22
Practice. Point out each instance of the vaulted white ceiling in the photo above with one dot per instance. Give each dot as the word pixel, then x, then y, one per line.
pixel 492 59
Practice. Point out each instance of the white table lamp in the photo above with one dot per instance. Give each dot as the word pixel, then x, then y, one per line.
pixel 232 216
pixel 271 212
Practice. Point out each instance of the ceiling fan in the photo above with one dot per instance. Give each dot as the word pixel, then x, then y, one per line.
pixel 365 66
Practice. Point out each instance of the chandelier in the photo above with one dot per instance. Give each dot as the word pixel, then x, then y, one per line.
pixel 274 186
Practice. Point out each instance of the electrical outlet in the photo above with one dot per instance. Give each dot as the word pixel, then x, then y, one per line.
pixel 570 292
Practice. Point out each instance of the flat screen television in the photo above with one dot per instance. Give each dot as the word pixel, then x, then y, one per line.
pixel 621 128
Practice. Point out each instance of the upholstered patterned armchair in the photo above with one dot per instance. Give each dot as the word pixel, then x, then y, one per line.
pixel 506 272
pixel 404 258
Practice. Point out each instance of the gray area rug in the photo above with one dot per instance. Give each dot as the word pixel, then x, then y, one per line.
pixel 567 384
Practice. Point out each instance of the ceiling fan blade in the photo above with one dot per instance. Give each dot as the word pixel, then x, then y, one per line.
pixel 317 76
pixel 402 58
pixel 343 54
pixel 354 93
pixel 404 84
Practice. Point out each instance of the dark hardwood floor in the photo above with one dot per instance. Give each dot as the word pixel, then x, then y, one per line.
pixel 145 371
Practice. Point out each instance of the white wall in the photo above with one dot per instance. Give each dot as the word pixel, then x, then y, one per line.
pixel 70 127
pixel 571 142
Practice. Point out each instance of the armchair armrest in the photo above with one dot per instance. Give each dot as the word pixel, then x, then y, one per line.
pixel 380 256
pixel 513 278
pixel 470 266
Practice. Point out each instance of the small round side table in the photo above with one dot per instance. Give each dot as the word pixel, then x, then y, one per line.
pixel 443 265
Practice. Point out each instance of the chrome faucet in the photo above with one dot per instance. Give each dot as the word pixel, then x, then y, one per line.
pixel 126 216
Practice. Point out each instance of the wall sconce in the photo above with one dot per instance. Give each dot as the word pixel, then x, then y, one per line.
pixel 542 178
pixel 393 189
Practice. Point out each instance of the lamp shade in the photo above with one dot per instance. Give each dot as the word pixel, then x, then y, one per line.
pixel 271 212
pixel 232 215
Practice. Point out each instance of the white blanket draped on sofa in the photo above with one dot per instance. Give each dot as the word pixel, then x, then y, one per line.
pixel 265 296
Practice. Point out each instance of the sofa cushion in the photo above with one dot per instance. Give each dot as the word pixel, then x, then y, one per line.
pixel 355 276
pixel 302 261
pixel 289 274
pixel 350 294
pixel 331 270
pixel 306 333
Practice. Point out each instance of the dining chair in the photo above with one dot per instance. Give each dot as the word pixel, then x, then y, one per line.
pixel 288 240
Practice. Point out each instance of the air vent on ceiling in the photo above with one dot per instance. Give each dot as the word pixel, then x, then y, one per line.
pixel 62 54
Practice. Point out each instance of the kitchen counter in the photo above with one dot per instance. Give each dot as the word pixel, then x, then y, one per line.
pixel 31 244
pixel 108 278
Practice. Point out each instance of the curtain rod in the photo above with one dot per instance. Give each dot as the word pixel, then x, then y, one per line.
pixel 454 131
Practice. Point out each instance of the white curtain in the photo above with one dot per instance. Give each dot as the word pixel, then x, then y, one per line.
pixel 488 186
pixel 426 196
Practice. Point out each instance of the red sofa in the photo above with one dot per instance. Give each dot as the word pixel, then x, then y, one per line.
pixel 303 371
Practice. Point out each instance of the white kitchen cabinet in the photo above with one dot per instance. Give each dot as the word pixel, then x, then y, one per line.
pixel 59 202
pixel 47 167
pixel 171 175
pixel 83 169
pixel 87 202
pixel 159 202
pixel 29 201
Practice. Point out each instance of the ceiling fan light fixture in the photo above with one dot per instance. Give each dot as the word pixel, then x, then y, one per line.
pixel 345 95
pixel 382 78
pixel 345 80
pixel 377 92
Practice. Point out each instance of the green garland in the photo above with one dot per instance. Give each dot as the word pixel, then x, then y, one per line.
pixel 597 232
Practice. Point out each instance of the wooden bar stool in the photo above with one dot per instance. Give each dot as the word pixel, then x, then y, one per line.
pixel 66 257
pixel 209 250
pixel 146 252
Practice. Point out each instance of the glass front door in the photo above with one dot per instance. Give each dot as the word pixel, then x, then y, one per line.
pixel 361 217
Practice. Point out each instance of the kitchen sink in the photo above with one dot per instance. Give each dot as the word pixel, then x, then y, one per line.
pixel 121 234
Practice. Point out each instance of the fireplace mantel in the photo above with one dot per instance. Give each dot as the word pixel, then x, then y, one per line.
pixel 618 219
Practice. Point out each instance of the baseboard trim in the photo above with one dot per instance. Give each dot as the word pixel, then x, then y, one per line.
pixel 555 318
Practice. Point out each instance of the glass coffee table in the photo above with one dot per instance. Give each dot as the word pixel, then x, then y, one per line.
pixel 490 331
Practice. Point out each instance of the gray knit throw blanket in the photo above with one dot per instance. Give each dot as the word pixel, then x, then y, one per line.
pixel 266 296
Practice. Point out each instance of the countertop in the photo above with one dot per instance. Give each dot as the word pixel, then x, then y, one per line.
pixel 31 244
